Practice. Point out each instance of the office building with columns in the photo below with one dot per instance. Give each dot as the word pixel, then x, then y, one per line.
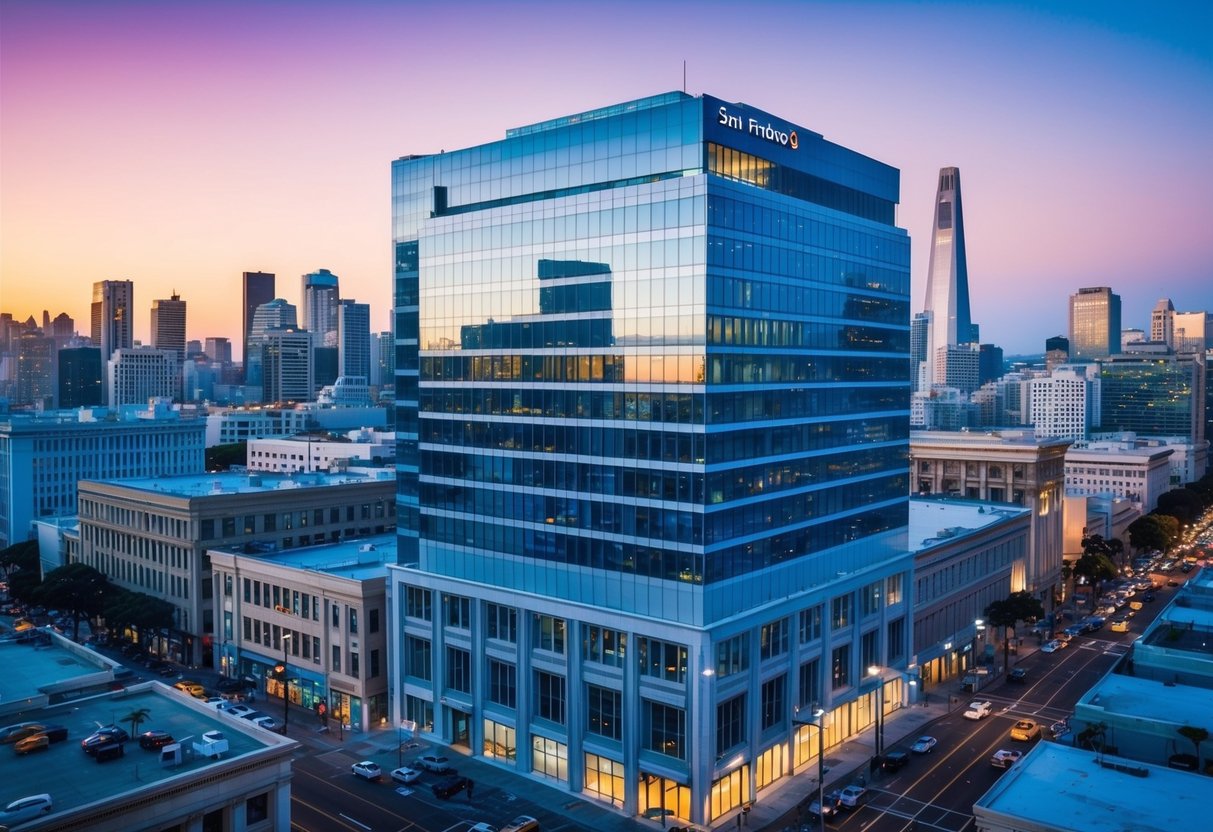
pixel 652 402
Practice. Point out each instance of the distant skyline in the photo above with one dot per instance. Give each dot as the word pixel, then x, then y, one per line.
pixel 179 145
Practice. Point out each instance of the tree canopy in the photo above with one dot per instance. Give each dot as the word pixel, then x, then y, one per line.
pixel 77 589
pixel 1154 531
pixel 1005 614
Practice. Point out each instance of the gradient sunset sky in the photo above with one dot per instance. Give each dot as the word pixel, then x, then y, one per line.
pixel 180 144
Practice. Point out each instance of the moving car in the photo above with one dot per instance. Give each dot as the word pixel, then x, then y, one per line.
pixel 367 770
pixel 436 764
pixel 979 710
pixel 1018 675
pixel 1051 646
pixel 192 688
pixel 853 796
pixel 448 786
pixel 1025 730
pixel 54 733
pixel 108 735
pixel 405 775
pixel 923 745
pixel 17 731
pixel 1004 758
pixel 894 760
pixel 831 805
pixel 1120 625
pixel 27 808
pixel 35 742
pixel 151 740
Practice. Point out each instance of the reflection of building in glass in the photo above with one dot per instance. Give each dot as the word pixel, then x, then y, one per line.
pixel 1154 396
pixel 1094 324
pixel 652 399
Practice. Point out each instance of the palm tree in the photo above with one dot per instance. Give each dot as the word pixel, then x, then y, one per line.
pixel 136 718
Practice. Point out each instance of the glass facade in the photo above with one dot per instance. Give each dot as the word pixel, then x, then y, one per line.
pixel 1154 396
pixel 643 351
pixel 652 369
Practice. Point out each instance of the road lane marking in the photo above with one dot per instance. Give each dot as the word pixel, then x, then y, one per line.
pixel 356 823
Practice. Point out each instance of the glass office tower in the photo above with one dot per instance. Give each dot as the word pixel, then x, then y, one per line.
pixel 653 412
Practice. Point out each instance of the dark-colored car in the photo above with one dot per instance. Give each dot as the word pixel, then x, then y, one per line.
pixel 894 760
pixel 151 740
pixel 448 786
pixel 229 685
pixel 109 735
pixel 108 751
pixel 1018 675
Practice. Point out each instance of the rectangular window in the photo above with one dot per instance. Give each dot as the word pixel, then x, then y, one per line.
pixel 503 683
pixel 549 697
pixel 502 623
pixel 335 613
pixel 869 598
pixel 604 711
pixel 774 640
pixel 774 701
pixel 810 683
pixel 335 667
pixel 549 633
pixel 458 611
pixel 841 663
pixel 550 758
pixel 227 585
pixel 665 729
pixel 248 629
pixel 353 621
pixel 417 603
pixel 373 620
pixel 417 658
pixel 897 640
pixel 248 591
pixel 604 779
pixel 810 624
pixel 270 522
pixel 459 670
pixel 730 724
pixel 840 612
pixel 353 664
pixel 733 655
pixel 662 660
pixel 869 649
pixel 892 589
pixel 605 646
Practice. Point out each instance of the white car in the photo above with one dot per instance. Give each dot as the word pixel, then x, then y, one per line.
pixel 1051 646
pixel 923 745
pixel 1004 759
pixel 367 770
pixel 238 710
pixel 979 710
pixel 405 775
pixel 483 827
pixel 27 808
pixel 434 763
pixel 853 796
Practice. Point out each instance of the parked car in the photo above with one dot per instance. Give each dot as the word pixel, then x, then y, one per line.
pixel 34 742
pixel 108 735
pixel 978 710
pixel 1018 675
pixel 1059 728
pixel 405 775
pixel 894 760
pixel 152 740
pixel 1025 730
pixel 25 730
pixel 436 764
pixel 522 823
pixel 367 770
pixel 448 786
pixel 237 710
pixel 27 808
pixel 1004 758
pixel 853 796
pixel 17 731
pixel 923 745
pixel 192 688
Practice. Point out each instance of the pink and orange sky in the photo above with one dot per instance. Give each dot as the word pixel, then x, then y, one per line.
pixel 180 144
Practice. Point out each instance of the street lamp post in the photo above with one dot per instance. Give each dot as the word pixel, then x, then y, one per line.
pixel 874 670
pixel 818 721
pixel 286 699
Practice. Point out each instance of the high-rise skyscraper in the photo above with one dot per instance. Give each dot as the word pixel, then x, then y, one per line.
pixel 1162 322
pixel 318 299
pixel 947 278
pixel 274 314
pixel 652 481
pixel 258 289
pixel 80 374
pixel 168 325
pixel 142 373
pixel 1094 324
pixel 112 324
pixel 218 349
pixel 354 339
pixel 36 359
pixel 1193 331
pixel 1057 351
pixel 286 365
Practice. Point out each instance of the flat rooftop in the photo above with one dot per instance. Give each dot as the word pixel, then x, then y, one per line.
pixel 935 521
pixel 1144 699
pixel 33 667
pixel 359 558
pixel 58 771
pixel 238 482
pixel 1062 788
